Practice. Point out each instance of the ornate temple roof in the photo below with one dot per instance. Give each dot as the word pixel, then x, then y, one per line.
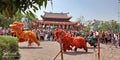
pixel 55 23
pixel 57 16
pixel 55 19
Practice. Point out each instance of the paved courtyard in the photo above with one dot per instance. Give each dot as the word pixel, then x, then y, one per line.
pixel 49 49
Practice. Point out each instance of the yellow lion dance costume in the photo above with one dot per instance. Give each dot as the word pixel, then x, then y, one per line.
pixel 23 36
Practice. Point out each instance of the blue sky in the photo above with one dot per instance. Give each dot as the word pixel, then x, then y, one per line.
pixel 90 9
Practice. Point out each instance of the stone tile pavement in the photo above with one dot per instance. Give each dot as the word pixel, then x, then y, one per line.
pixel 49 49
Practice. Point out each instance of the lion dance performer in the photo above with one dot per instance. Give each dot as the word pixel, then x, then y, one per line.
pixel 69 42
pixel 23 36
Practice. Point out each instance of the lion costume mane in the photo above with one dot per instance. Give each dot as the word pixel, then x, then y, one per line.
pixel 69 42
pixel 23 36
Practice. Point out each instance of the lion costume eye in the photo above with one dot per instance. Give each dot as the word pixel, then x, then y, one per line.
pixel 17 27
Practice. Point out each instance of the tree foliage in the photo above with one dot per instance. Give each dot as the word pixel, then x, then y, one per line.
pixel 4 21
pixel 104 25
pixel 10 8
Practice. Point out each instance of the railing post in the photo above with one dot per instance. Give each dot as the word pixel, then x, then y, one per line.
pixel 61 47
pixel 98 48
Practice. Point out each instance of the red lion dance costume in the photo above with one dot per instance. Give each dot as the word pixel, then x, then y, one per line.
pixel 69 42
pixel 23 36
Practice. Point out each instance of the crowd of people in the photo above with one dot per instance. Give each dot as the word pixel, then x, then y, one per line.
pixel 4 31
pixel 44 34
pixel 106 37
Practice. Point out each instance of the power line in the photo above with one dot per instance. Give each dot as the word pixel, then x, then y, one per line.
pixel 119 14
pixel 118 10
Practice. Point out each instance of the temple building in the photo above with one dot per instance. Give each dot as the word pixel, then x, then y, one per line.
pixel 57 20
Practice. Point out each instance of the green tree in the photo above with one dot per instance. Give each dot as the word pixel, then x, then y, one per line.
pixel 114 26
pixel 10 8
pixel 108 25
pixel 16 9
pixel 88 26
pixel 104 25
pixel 4 21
